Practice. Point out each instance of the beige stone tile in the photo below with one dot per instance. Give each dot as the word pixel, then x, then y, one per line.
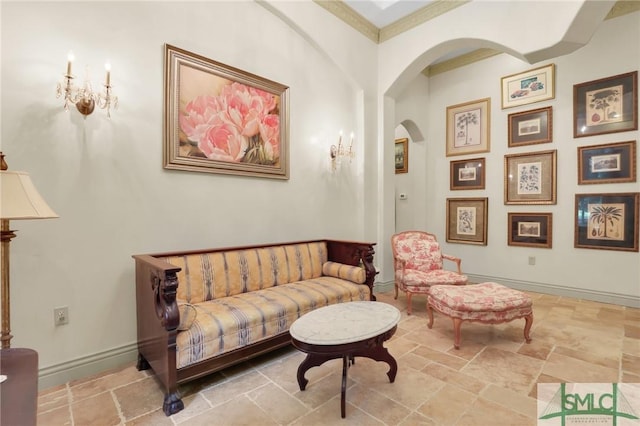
pixel 318 392
pixel 230 389
pixel 417 419
pixel 154 418
pixel 329 415
pixel 60 416
pixel 239 411
pixel 451 361
pixel 53 399
pixel 447 405
pixel 600 356
pixel 139 398
pixel 282 407
pixel 456 378
pixel 632 331
pixel 511 400
pixel 631 346
pixel 193 406
pixel 411 387
pixel 284 372
pixel 414 361
pixel 575 370
pixel 543 378
pixel 536 349
pixel 400 346
pixel 96 411
pixel 631 363
pixel 377 405
pixel 103 383
pixel 504 368
pixel 482 410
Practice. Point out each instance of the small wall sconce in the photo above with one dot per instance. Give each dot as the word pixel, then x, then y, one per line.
pixel 84 98
pixel 336 152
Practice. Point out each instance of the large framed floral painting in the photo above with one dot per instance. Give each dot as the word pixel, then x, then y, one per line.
pixel 219 119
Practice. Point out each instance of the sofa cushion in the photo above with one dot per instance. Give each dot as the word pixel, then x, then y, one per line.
pixel 209 276
pixel 188 315
pixel 356 274
pixel 225 324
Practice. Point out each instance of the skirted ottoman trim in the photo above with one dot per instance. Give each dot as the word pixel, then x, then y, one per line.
pixel 488 303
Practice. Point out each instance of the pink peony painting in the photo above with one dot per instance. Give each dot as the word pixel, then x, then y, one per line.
pixel 223 120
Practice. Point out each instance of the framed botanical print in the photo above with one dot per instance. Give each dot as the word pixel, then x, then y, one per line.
pixel 608 105
pixel 467 174
pixel 607 221
pixel 607 163
pixel 530 229
pixel 528 87
pixel 402 155
pixel 467 220
pixel 530 178
pixel 468 127
pixel 530 127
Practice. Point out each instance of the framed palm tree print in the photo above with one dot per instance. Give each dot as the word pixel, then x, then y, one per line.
pixel 468 127
pixel 607 221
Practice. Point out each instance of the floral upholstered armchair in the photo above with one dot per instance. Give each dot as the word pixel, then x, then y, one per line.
pixel 418 264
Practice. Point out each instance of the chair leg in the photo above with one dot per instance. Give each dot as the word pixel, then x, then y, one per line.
pixel 396 287
pixel 457 322
pixel 409 303
pixel 527 327
pixel 430 314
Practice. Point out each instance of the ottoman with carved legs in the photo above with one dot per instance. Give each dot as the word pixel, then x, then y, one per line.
pixel 487 303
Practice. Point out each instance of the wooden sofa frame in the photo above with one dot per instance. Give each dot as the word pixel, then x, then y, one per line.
pixel 158 316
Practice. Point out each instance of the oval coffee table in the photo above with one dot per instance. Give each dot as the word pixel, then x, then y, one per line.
pixel 345 330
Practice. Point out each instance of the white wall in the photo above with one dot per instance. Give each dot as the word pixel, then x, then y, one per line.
pixel 105 177
pixel 601 274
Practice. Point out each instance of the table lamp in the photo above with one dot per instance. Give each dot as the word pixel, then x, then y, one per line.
pixel 19 200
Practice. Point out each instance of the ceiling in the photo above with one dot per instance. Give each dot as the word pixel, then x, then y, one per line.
pixel 385 12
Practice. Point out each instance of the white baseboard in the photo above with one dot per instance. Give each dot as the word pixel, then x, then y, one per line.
pixel 556 290
pixel 55 375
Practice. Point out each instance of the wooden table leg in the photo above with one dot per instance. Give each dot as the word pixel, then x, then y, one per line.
pixel 312 360
pixel 343 391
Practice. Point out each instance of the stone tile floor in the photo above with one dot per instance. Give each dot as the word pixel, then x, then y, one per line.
pixel 491 380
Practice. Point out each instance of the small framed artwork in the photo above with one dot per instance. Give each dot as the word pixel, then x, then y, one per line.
pixel 530 178
pixel 607 221
pixel 528 87
pixel 467 220
pixel 467 174
pixel 219 119
pixel 468 127
pixel 608 105
pixel 530 229
pixel 608 163
pixel 402 155
pixel 531 127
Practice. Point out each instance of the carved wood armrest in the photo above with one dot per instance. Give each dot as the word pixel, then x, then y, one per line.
pixel 455 259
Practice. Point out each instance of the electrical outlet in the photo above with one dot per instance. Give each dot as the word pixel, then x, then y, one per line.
pixel 61 316
pixel 532 260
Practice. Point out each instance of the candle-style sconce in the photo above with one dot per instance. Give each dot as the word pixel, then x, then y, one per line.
pixel 84 98
pixel 335 152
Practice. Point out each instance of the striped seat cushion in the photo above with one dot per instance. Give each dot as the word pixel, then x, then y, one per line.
pixel 228 323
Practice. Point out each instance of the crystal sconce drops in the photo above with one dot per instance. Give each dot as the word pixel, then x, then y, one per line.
pixel 84 98
pixel 339 151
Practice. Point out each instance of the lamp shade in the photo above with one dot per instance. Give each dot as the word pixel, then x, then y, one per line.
pixel 19 198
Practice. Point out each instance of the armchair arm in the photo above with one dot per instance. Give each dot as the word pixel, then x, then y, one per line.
pixel 455 259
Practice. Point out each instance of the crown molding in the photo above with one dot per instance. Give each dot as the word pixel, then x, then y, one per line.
pixel 460 61
pixel 419 17
pixel 622 7
pixel 350 17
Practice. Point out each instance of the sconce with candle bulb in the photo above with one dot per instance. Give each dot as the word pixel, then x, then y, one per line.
pixel 84 98
pixel 335 152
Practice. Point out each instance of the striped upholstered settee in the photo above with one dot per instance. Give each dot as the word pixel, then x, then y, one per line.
pixel 201 311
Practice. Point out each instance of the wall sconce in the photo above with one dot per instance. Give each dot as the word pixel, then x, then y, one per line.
pixel 336 152
pixel 84 98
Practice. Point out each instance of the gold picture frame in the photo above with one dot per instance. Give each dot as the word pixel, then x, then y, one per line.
pixel 468 127
pixel 530 229
pixel 467 220
pixel 402 155
pixel 204 131
pixel 530 178
pixel 528 87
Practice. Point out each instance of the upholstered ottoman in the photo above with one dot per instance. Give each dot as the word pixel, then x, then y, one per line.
pixel 487 303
